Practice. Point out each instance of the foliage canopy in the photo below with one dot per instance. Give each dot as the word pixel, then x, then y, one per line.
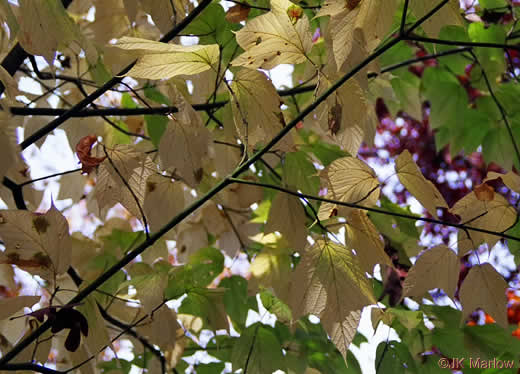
pixel 206 193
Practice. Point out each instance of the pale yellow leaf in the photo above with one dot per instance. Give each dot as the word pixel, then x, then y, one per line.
pixel 163 12
pixel 164 200
pixel 150 289
pixel 36 242
pixel 11 87
pixel 484 288
pixel 287 216
pixel 257 114
pixel 163 61
pixel 496 215
pixel 9 306
pixel 185 143
pixel 110 188
pixel 111 21
pixel 190 238
pixel 449 14
pixel 72 186
pixel 77 128
pixel 270 267
pixel 375 19
pixel 7 276
pixel 328 281
pixel 131 6
pixel 345 39
pixel 97 338
pixel 342 332
pixel 125 159
pixel 272 39
pixel 360 28
pixel 345 117
pixel 510 179
pixel 362 236
pixel 44 26
pixel 422 189
pixel 214 219
pixel 8 147
pixel 349 180
pixel 438 267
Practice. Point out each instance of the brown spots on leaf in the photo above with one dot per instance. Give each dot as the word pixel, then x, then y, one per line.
pixel 41 224
pixel 2 219
pixel 151 186
pixel 258 40
pixel 37 261
pixel 278 53
pixel 199 173
pixel 265 60
pixel 335 118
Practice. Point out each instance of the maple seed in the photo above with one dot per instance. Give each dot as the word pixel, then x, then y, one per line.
pixel 40 224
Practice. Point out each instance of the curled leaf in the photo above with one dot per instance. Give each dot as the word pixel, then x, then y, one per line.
pixel 237 13
pixel 484 192
pixel 83 149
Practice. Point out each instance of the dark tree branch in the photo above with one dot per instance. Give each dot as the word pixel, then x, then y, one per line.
pixel 130 331
pixel 403 17
pixel 16 191
pixel 30 366
pixel 49 176
pixel 419 59
pixel 18 111
pixel 460 43
pixel 134 196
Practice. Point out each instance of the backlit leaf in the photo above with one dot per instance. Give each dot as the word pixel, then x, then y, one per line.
pixel 421 188
pixel 162 61
pixel 39 243
pixel 350 180
pixel 496 215
pixel 438 267
pixel 484 288
pixel 272 39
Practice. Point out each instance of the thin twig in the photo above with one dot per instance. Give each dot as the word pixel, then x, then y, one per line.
pixel 375 210
pixel 127 185
pixel 503 113
pixel 112 82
